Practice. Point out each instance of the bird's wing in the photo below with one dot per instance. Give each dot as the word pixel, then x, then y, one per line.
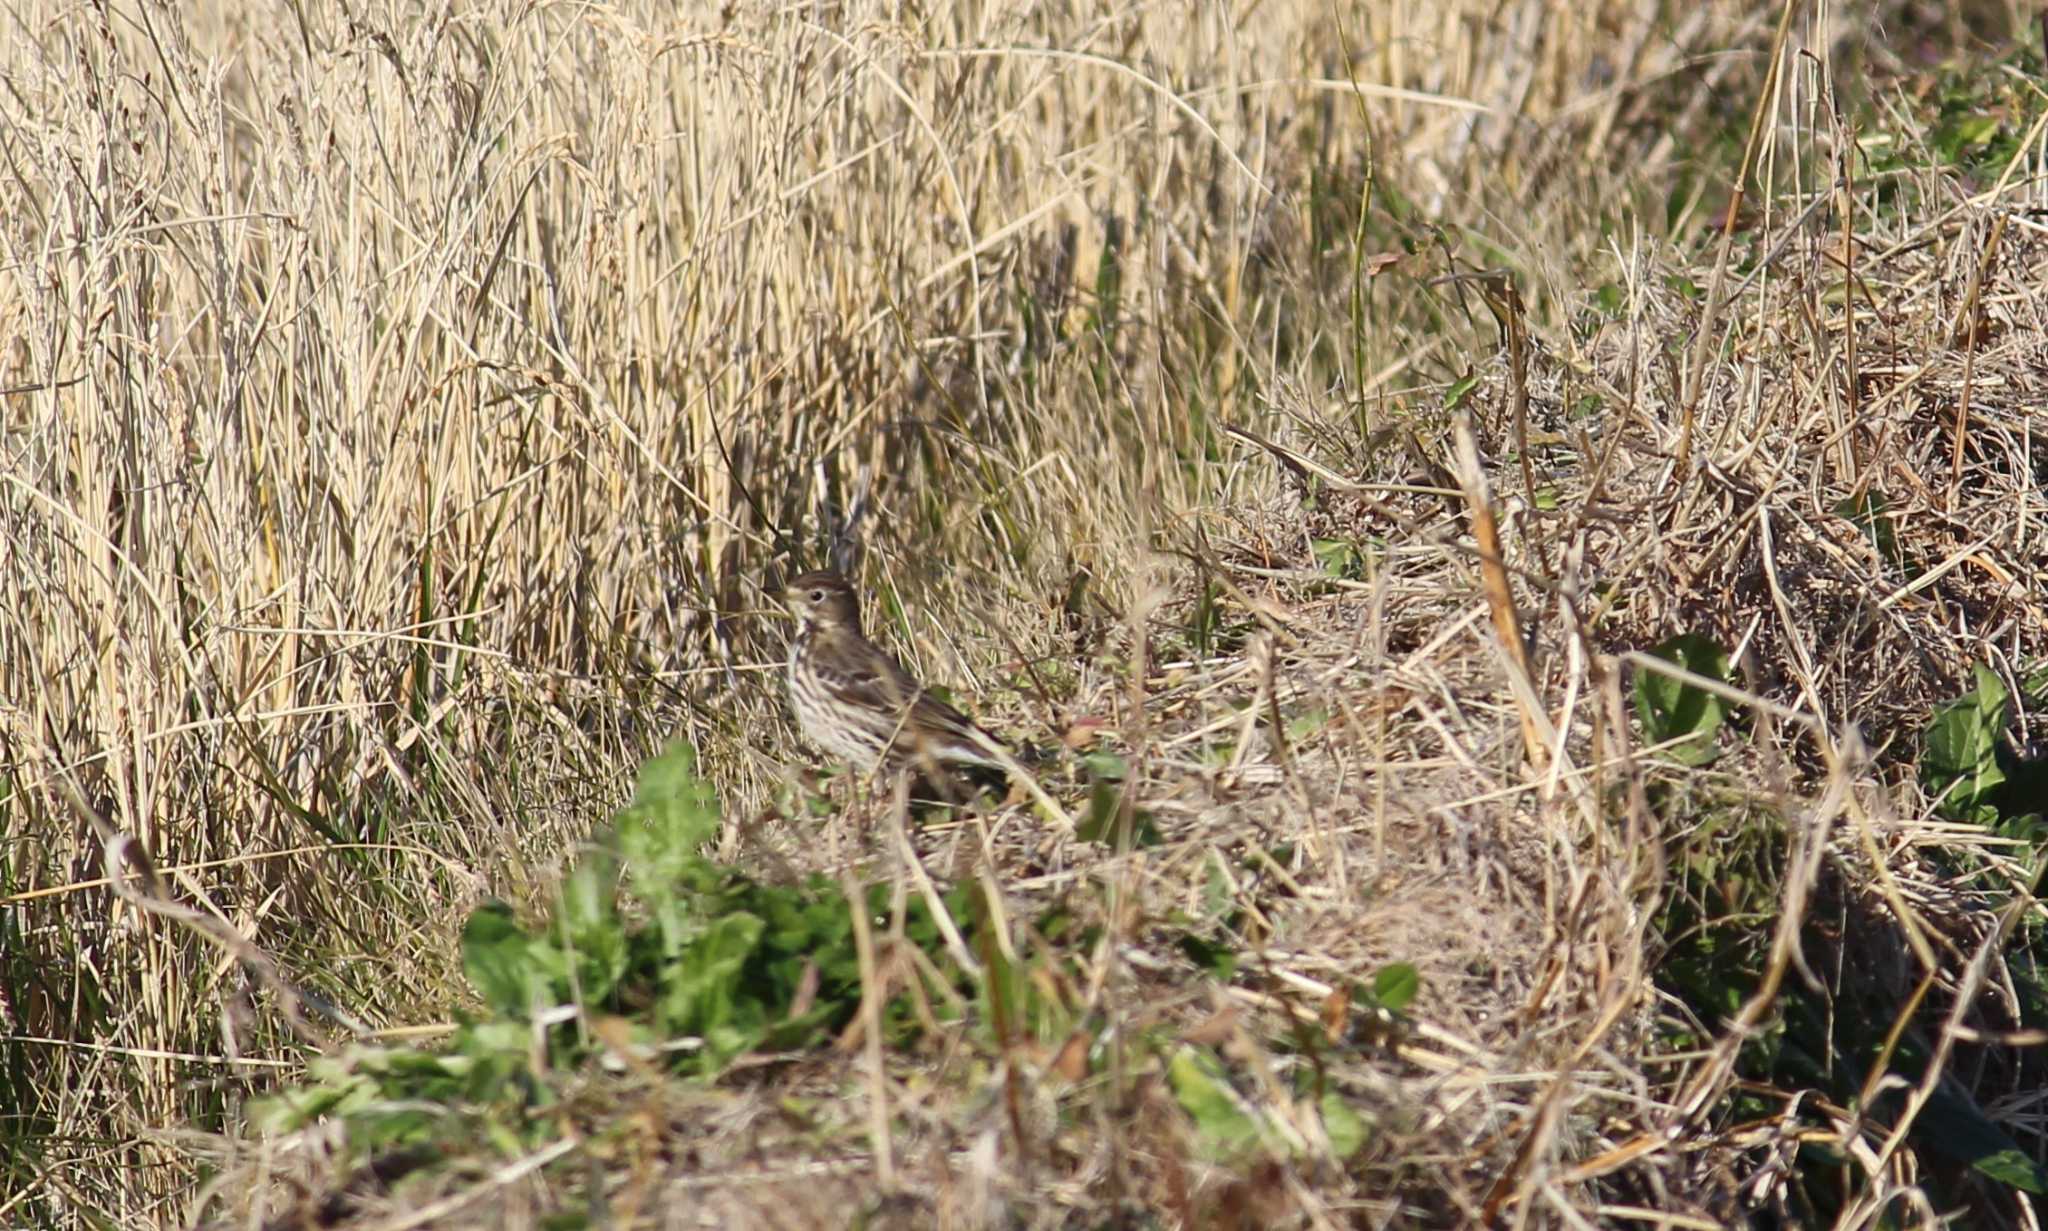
pixel 877 679
pixel 867 675
pixel 936 713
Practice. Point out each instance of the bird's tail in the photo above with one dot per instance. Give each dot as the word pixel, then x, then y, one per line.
pixel 1022 776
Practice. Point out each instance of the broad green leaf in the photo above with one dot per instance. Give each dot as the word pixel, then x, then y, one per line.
pixel 713 955
pixel 1961 759
pixel 1106 765
pixel 1219 959
pixel 588 925
pixel 1394 986
pixel 1955 1126
pixel 1346 1132
pixel 1218 894
pixel 1339 558
pixel 674 803
pixel 292 1109
pixel 1670 709
pixel 702 993
pixel 1308 722
pixel 662 836
pixel 1960 133
pixel 1105 814
pixel 1870 513
pixel 497 957
pixel 1226 1128
pixel 2012 1166
pixel 588 892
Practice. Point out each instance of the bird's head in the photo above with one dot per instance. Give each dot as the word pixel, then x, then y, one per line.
pixel 823 598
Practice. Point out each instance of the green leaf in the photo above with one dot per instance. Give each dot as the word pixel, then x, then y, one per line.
pixel 1669 709
pixel 711 955
pixel 1219 896
pixel 702 993
pixel 1872 515
pixel 497 955
pixel 292 1109
pixel 1226 1128
pixel 1953 1125
pixel 1105 804
pixel 1961 759
pixel 1962 132
pixel 1339 558
pixel 1220 960
pixel 1342 1126
pixel 587 924
pixel 1106 765
pixel 1206 618
pixel 1105 814
pixel 1461 389
pixel 674 804
pixel 588 892
pixel 662 836
pixel 1394 986
pixel 2012 1166
pixel 672 778
pixel 1310 721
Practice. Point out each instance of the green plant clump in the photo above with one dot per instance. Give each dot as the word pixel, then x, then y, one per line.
pixel 1681 717
pixel 1726 893
pixel 696 958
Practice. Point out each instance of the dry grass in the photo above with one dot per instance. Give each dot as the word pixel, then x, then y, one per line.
pixel 403 407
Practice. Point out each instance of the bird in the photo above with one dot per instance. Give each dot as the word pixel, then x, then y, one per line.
pixel 855 700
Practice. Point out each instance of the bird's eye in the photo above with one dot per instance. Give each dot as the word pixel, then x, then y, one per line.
pixel 817 596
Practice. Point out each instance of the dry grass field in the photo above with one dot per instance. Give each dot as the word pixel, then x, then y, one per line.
pixel 1517 526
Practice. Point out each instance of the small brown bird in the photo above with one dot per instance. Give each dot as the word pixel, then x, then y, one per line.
pixel 854 699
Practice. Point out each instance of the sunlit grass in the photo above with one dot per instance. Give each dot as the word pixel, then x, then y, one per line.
pixel 403 410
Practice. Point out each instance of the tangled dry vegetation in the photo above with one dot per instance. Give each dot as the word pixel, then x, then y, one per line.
pixel 1306 420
